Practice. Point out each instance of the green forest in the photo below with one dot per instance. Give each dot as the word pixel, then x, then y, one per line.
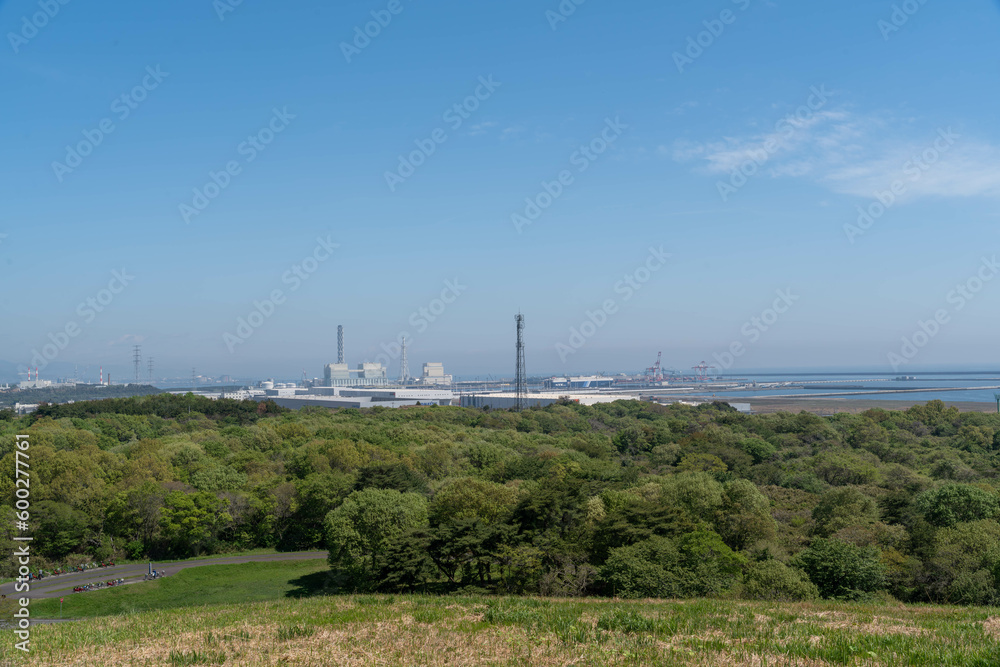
pixel 626 499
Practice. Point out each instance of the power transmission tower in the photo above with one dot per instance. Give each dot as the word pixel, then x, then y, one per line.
pixel 137 360
pixel 404 366
pixel 521 379
pixel 151 370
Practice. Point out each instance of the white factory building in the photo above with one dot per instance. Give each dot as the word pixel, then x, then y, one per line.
pixel 366 375
pixel 45 384
pixel 434 375
pixel 357 397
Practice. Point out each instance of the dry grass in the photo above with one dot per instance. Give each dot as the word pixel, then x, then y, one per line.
pixel 991 626
pixel 401 642
pixel 415 630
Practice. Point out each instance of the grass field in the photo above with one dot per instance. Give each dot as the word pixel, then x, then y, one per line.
pixel 277 613
pixel 194 587
pixel 416 630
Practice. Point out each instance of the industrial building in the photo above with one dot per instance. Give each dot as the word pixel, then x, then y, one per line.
pixel 243 394
pixel 35 384
pixel 434 375
pixel 366 375
pixel 341 375
pixel 506 401
pixel 343 397
pixel 583 382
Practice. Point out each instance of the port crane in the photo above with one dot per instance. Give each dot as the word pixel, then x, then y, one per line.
pixel 655 372
pixel 702 370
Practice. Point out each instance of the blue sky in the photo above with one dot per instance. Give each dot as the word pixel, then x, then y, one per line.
pixel 911 104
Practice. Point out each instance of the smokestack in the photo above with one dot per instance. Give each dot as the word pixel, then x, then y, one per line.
pixel 340 345
pixel 102 375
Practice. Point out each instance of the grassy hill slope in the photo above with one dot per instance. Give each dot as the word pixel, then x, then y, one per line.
pixel 439 630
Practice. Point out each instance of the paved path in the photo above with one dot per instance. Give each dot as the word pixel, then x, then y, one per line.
pixel 63 584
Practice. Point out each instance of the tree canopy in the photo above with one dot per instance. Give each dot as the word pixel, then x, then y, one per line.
pixel 627 498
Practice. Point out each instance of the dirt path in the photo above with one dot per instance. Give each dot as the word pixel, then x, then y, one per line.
pixel 63 584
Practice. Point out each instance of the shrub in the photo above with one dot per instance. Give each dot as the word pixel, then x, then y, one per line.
pixel 745 515
pixel 842 570
pixel 842 507
pixel 758 449
pixel 694 564
pixel 965 563
pixel 955 503
pixel 702 463
pixel 646 569
pixel 773 580
pixel 710 567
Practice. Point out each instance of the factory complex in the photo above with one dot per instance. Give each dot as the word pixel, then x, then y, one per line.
pixel 369 385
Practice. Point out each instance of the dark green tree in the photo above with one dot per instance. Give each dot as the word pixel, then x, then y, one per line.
pixel 841 570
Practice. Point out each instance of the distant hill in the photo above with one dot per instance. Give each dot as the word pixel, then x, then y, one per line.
pixel 82 392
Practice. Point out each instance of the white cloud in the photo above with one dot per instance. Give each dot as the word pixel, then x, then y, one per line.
pixel 965 170
pixel 511 132
pixel 855 154
pixel 789 136
pixel 480 128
